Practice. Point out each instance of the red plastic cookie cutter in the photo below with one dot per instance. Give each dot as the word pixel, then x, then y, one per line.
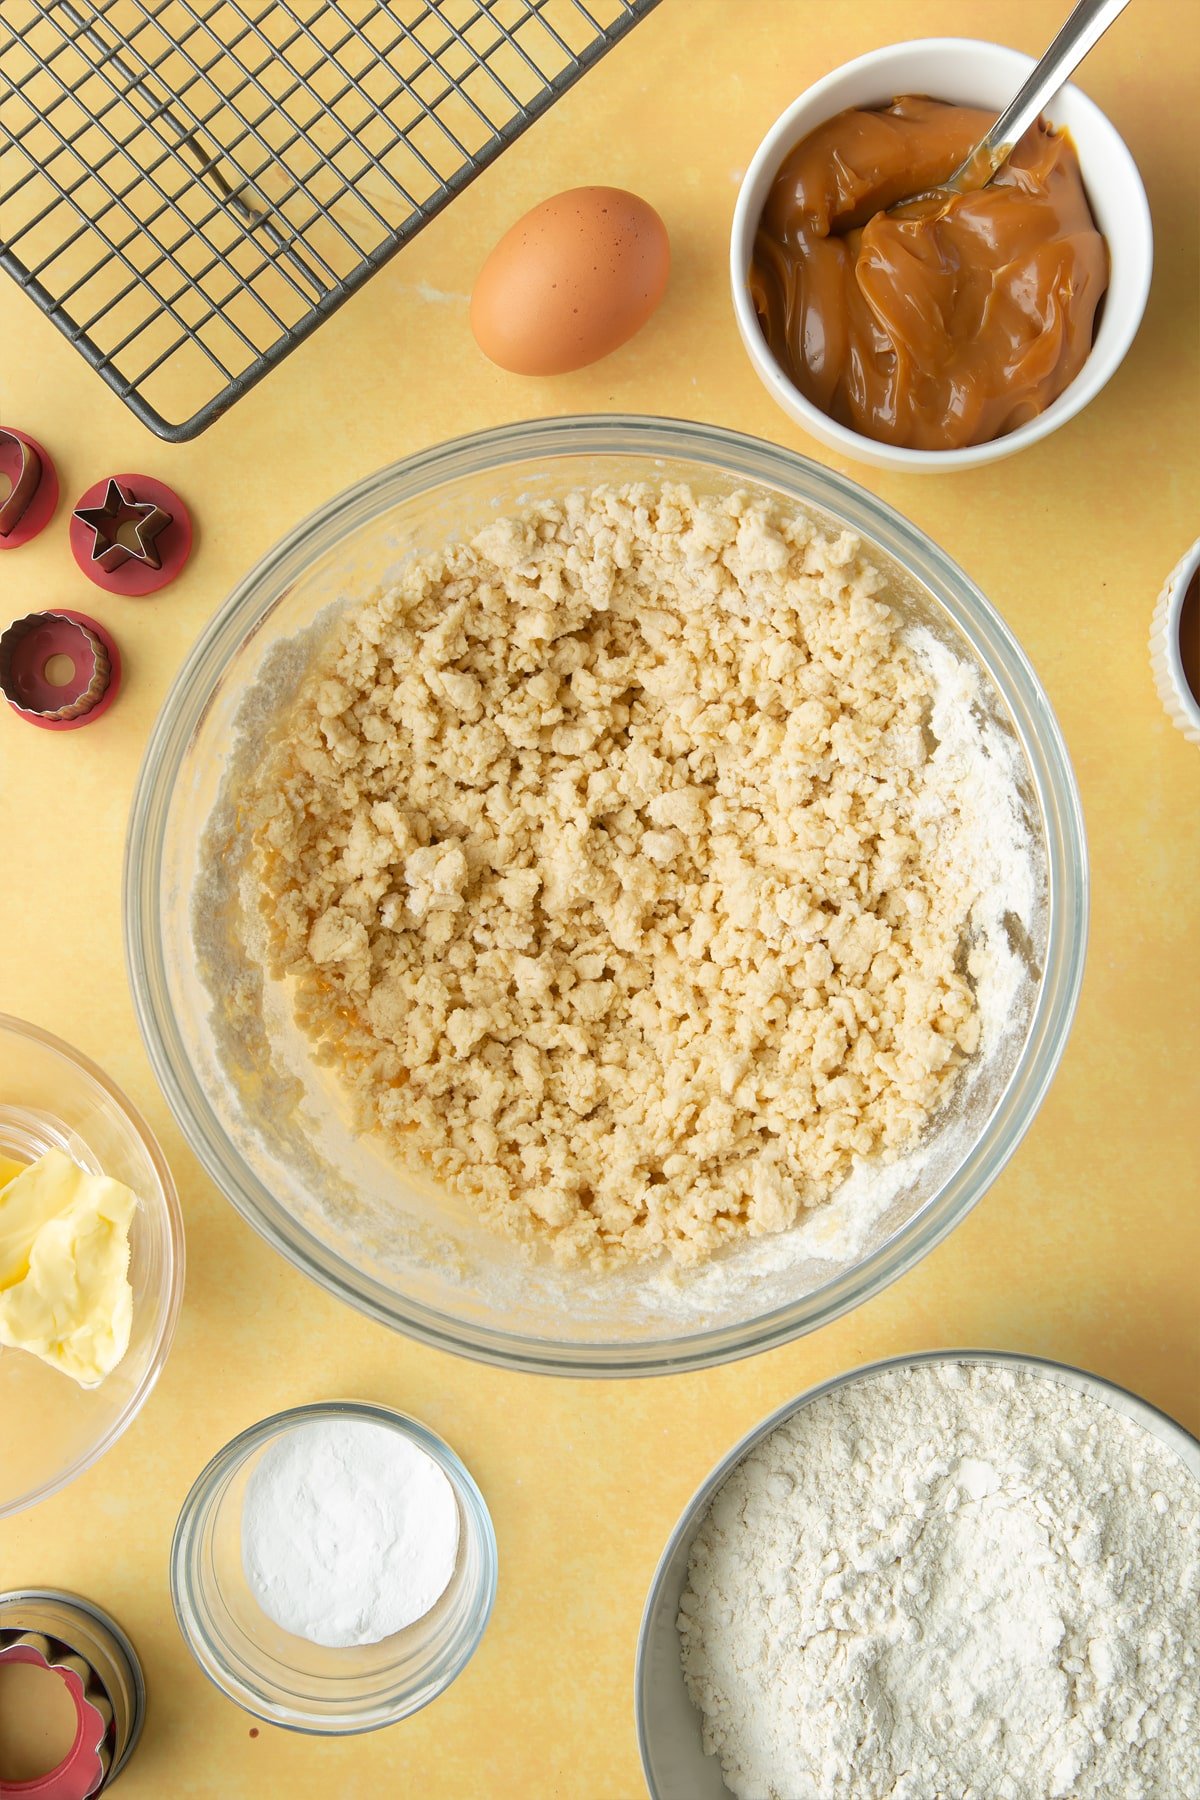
pixel 83 1769
pixel 29 646
pixel 131 534
pixel 32 495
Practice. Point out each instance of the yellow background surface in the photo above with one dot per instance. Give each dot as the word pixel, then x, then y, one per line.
pixel 1088 1247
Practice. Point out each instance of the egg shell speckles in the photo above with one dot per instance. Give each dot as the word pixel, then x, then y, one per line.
pixel 571 281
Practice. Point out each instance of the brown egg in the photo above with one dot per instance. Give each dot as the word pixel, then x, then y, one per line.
pixel 571 281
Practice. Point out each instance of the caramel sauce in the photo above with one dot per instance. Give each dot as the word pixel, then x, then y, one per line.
pixel 954 320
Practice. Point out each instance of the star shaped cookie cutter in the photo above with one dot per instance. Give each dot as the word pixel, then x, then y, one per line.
pixel 130 534
pixel 124 528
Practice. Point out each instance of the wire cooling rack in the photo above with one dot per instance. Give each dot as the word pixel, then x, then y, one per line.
pixel 189 187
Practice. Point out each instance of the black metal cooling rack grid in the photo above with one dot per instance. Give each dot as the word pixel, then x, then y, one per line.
pixel 189 187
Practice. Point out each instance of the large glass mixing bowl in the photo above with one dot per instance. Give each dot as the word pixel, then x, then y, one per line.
pixel 272 1127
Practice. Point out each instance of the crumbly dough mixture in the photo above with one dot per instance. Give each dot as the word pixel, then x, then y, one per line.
pixel 593 848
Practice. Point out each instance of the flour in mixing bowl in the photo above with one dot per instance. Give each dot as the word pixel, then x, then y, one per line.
pixel 953 1582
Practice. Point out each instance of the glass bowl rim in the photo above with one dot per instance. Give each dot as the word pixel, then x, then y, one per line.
pixel 1083 1380
pixel 170 1299
pixel 734 455
pixel 223 1465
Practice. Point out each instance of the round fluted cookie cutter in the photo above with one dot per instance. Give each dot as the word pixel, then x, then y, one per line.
pixel 1166 655
pixel 28 647
pixel 100 1669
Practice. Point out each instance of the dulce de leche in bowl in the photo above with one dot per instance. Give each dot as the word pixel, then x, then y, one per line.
pixel 951 321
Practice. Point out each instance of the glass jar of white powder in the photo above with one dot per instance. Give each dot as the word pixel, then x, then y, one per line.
pixel 232 1585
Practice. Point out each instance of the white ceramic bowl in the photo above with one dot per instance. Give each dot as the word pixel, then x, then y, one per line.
pixel 1183 708
pixel 972 73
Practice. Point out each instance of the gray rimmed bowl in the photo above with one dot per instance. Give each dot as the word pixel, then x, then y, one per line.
pixel 668 1725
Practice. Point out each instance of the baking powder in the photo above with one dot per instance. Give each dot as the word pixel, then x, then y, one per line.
pixel 349 1532
pixel 956 1582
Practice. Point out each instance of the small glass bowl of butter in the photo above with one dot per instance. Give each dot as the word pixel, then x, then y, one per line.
pixel 54 1099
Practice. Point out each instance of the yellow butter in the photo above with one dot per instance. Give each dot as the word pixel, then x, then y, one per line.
pixel 9 1168
pixel 64 1267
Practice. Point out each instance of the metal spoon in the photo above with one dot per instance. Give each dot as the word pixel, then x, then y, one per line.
pixel 1084 28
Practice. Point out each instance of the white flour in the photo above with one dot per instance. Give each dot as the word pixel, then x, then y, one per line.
pixel 971 799
pixel 349 1532
pixel 951 1583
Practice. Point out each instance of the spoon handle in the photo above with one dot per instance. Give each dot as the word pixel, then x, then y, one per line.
pixel 1085 26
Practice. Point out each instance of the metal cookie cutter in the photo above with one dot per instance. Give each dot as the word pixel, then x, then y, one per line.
pixel 68 1637
pixel 32 493
pixel 130 534
pixel 27 650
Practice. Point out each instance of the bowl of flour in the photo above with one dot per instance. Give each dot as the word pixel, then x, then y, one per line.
pixel 960 1573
